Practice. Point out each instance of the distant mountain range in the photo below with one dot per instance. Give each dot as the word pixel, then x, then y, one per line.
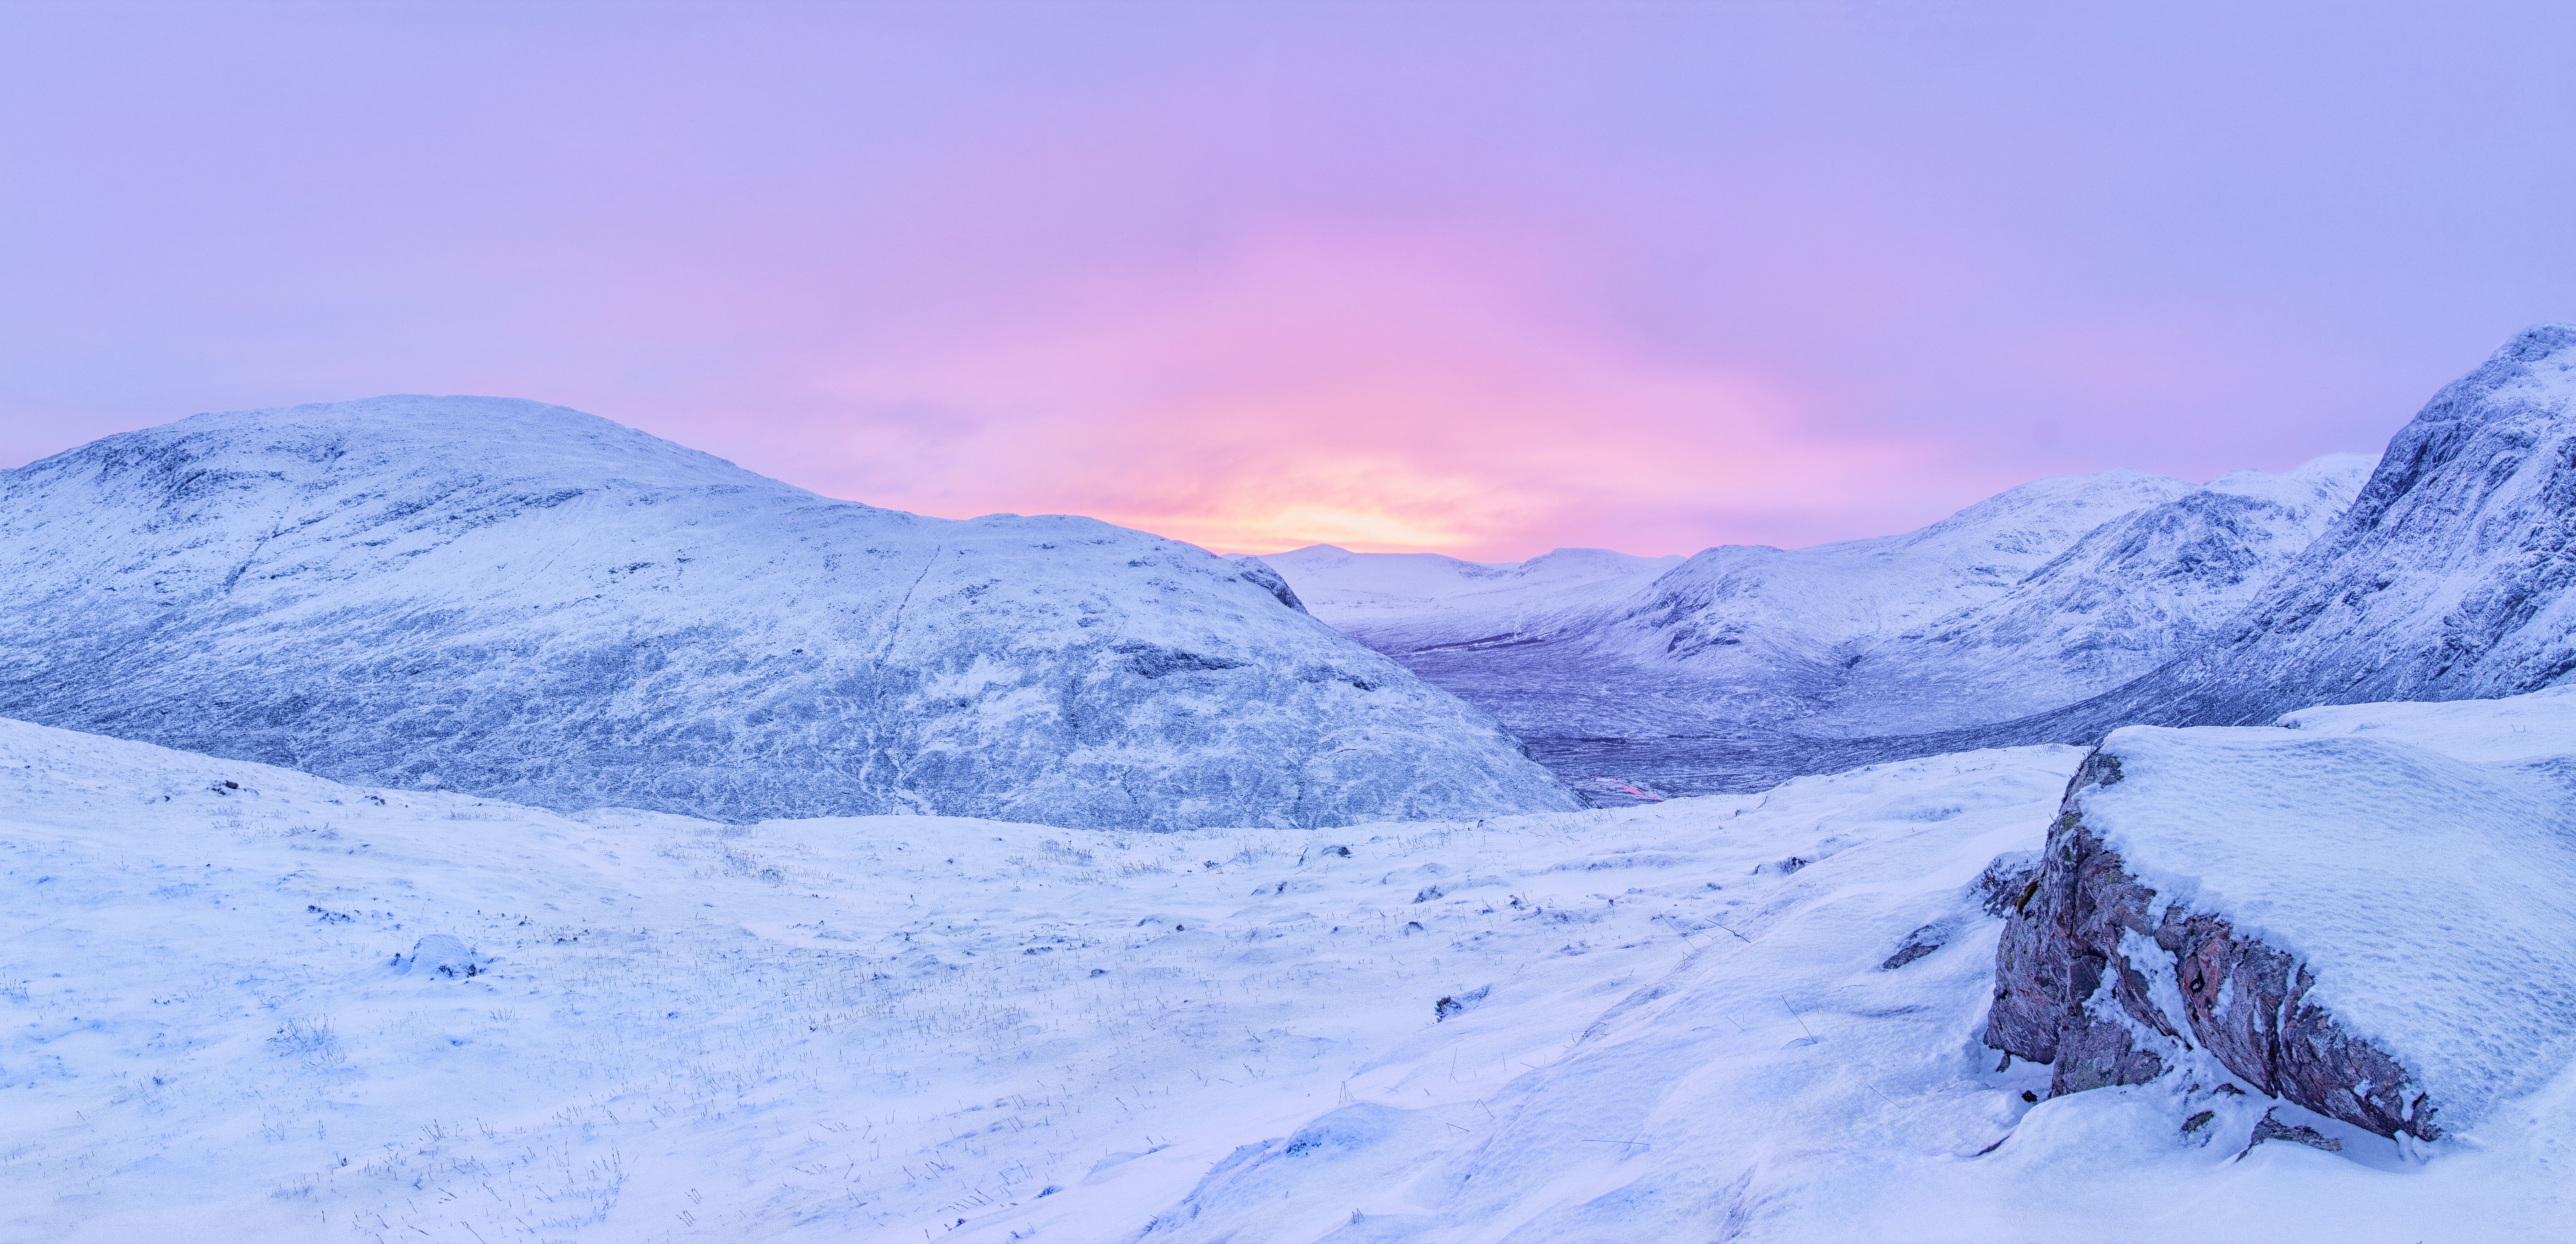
pixel 2050 613
pixel 2328 969
pixel 523 601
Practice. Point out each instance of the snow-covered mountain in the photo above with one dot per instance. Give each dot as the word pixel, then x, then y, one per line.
pixel 252 1004
pixel 2130 595
pixel 1410 601
pixel 1746 664
pixel 520 600
pixel 2447 579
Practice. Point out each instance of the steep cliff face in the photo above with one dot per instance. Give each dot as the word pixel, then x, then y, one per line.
pixel 2360 915
pixel 528 602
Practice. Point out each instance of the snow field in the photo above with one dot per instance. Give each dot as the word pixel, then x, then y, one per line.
pixel 897 1028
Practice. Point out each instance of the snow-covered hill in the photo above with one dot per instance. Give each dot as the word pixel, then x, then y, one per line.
pixel 251 1004
pixel 1746 664
pixel 519 600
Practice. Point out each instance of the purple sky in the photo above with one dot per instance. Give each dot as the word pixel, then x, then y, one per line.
pixel 1482 277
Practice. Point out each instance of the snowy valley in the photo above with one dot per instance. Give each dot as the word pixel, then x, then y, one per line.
pixel 470 820
pixel 1745 664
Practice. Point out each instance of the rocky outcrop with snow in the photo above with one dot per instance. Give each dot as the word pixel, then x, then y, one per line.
pixel 520 600
pixel 1260 574
pixel 2362 913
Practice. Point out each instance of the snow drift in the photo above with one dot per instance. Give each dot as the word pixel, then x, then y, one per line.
pixel 520 600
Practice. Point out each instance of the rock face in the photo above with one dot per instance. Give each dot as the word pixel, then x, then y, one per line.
pixel 523 601
pixel 2362 911
pixel 2077 986
pixel 1259 574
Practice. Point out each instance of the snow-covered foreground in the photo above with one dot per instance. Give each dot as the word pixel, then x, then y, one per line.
pixel 246 1003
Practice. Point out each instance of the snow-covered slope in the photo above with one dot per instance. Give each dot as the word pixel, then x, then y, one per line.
pixel 1748 661
pixel 1750 611
pixel 2447 578
pixel 1744 1018
pixel 2129 596
pixel 520 600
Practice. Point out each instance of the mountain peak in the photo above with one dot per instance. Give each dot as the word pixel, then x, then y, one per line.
pixel 2542 340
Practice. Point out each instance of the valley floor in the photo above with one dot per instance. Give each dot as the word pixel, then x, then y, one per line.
pixel 233 1010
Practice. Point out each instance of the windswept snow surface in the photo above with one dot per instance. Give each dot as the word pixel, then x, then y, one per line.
pixel 249 1004
pixel 526 602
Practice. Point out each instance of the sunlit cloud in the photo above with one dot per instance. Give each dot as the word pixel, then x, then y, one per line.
pixel 1380 394
pixel 1644 277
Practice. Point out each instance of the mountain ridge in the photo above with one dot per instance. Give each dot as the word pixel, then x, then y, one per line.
pixel 1746 664
pixel 526 601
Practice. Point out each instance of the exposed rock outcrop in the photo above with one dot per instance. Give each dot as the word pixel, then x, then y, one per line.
pixel 1260 574
pixel 2092 968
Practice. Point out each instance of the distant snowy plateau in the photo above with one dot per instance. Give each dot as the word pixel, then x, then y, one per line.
pixel 468 820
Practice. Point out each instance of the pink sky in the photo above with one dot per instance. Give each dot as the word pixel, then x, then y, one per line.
pixel 1481 278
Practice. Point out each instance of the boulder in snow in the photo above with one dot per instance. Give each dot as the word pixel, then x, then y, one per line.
pixel 2346 915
